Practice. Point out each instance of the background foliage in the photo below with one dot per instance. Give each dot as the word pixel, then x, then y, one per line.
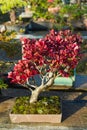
pixel 7 5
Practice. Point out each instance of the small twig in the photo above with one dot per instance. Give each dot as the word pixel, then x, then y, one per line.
pixel 57 75
pixel 41 76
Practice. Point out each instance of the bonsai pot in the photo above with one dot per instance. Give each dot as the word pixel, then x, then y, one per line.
pixel 37 26
pixel 51 118
pixel 13 27
pixel 54 10
pixel 39 116
pixel 65 81
pixel 66 1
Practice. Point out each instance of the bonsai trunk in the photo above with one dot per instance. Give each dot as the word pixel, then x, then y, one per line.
pixel 38 90
pixel 13 16
pixel 27 10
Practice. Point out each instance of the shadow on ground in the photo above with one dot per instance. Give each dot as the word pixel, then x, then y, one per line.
pixel 70 107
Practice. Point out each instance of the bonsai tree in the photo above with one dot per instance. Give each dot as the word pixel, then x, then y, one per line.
pixel 70 14
pixel 11 6
pixel 55 55
pixel 40 8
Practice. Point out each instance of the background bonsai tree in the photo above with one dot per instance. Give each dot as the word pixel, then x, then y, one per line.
pixel 40 8
pixel 11 6
pixel 56 54
pixel 70 15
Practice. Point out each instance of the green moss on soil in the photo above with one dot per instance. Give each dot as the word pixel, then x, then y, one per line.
pixel 49 105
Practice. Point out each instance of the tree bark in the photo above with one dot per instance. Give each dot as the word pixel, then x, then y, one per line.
pixel 13 16
pixel 27 10
pixel 38 90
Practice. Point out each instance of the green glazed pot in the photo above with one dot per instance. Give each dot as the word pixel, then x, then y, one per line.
pixel 65 81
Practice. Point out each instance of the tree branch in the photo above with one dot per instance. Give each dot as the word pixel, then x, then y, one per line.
pixel 28 87
pixel 33 86
pixel 42 83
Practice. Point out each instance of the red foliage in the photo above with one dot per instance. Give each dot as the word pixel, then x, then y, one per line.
pixel 59 51
pixel 22 71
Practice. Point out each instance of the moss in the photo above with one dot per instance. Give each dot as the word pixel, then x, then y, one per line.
pixel 49 105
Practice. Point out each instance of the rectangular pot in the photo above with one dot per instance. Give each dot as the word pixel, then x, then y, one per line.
pixel 49 118
pixel 37 118
pixel 65 81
